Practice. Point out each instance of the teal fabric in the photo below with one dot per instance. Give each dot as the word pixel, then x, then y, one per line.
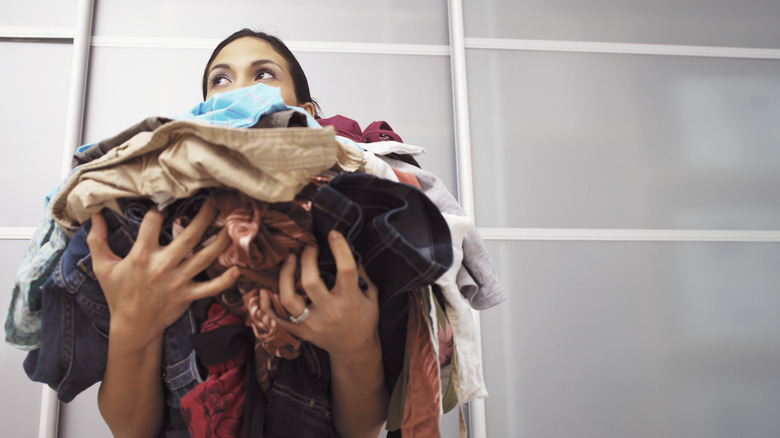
pixel 23 323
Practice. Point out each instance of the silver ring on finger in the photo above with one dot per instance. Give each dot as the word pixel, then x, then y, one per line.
pixel 300 318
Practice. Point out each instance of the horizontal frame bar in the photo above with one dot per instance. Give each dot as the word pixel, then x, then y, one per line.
pixel 572 234
pixel 32 34
pixel 621 48
pixel 13 33
pixel 16 233
pixel 629 235
pixel 299 46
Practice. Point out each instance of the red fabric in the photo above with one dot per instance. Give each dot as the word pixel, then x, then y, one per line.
pixel 421 409
pixel 346 127
pixel 380 131
pixel 446 343
pixel 214 408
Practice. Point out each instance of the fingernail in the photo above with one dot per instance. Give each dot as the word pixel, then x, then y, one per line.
pixel 333 235
pixel 290 258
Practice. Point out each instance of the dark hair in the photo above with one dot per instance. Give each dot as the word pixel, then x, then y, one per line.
pixel 301 84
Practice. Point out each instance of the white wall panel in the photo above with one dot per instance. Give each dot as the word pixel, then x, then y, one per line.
pixel 748 23
pixel 21 400
pixel 406 21
pixel 634 339
pixel 411 93
pixel 39 13
pixel 127 85
pixel 624 141
pixel 81 417
pixel 35 90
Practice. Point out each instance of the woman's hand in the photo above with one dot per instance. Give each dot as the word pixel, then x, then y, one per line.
pixel 344 322
pixel 153 286
pixel 146 292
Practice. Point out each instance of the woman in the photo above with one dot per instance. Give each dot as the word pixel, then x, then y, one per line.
pixel 153 286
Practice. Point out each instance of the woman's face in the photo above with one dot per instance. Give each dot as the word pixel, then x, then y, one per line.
pixel 247 61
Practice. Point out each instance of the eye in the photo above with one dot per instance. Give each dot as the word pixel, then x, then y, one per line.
pixel 265 74
pixel 219 80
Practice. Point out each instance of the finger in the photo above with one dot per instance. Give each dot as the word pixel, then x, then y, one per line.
pixel 206 256
pixel 294 303
pixel 373 292
pixel 97 241
pixel 265 302
pixel 270 318
pixel 149 231
pixel 183 244
pixel 346 269
pixel 311 281
pixel 214 286
pixel 299 330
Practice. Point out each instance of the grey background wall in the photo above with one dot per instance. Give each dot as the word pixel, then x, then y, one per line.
pixel 626 168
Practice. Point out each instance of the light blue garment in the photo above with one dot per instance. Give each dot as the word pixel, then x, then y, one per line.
pixel 83 148
pixel 242 108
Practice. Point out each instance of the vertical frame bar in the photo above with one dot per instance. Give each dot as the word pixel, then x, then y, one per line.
pixel 476 411
pixel 74 122
pixel 50 406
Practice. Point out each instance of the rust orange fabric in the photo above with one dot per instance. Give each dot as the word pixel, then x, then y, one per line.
pixel 421 408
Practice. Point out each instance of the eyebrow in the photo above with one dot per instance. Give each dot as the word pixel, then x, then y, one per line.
pixel 254 64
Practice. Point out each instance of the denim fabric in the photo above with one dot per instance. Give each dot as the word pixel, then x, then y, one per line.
pixel 397 234
pixel 75 318
pixel 299 401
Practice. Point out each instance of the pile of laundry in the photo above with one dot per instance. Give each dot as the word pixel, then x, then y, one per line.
pixel 280 180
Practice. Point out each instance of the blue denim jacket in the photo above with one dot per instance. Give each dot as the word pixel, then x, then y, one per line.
pixel 75 320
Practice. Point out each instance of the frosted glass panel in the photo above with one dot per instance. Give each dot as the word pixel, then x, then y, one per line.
pixel 406 21
pixel 39 13
pixel 21 402
pixel 365 88
pixel 127 85
pixel 35 80
pixel 647 340
pixel 749 23
pixel 619 141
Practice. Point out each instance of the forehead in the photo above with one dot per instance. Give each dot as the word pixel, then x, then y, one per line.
pixel 244 51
